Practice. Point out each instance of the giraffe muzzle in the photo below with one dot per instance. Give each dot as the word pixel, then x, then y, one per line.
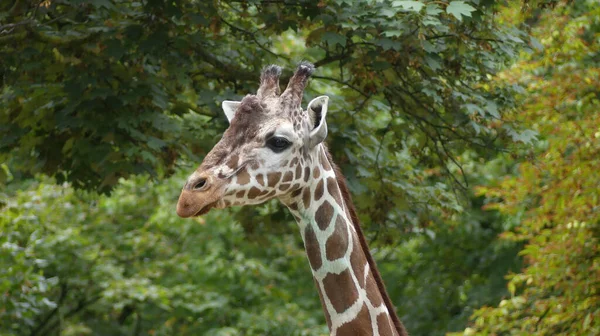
pixel 199 195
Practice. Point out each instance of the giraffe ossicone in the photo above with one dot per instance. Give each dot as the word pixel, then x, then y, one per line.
pixel 275 149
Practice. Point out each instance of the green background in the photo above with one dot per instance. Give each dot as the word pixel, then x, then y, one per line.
pixel 468 132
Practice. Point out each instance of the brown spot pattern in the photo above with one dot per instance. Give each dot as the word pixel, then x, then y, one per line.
pixel 312 248
pixel 385 325
pixel 316 172
pixel 327 317
pixel 341 300
pixel 240 194
pixel 298 172
pixel 233 162
pixel 270 194
pixel 334 190
pixel 358 261
pixel 373 291
pixel 324 161
pixel 323 215
pixel 273 178
pixel 284 186
pixel 253 192
pixel 360 326
pixel 319 190
pixel 260 179
pixel 306 174
pixel 288 177
pixel 243 177
pixel 306 198
pixel 337 244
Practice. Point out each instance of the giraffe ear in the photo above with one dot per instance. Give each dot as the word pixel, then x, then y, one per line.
pixel 229 107
pixel 317 109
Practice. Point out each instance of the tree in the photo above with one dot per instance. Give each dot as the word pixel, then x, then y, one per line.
pixel 113 96
pixel 118 85
pixel 555 194
pixel 74 263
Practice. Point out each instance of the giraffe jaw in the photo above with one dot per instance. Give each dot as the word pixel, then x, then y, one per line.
pixel 205 209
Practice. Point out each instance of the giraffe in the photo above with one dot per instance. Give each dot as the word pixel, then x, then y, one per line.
pixel 275 149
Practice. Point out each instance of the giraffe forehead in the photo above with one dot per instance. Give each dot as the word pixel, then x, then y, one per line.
pixel 255 113
pixel 282 108
pixel 261 129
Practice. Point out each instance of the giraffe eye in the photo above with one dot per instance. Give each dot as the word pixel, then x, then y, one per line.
pixel 278 144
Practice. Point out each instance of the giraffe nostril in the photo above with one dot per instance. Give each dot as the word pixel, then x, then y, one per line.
pixel 200 184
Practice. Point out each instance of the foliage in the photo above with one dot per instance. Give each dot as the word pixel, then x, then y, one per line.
pixel 86 264
pixel 448 269
pixel 117 85
pixel 556 191
pixel 79 264
pixel 115 96
pixel 126 87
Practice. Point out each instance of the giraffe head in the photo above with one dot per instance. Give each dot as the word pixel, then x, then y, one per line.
pixel 267 150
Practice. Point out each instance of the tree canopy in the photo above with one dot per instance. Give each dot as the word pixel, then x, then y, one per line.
pixel 120 86
pixel 555 193
pixel 467 130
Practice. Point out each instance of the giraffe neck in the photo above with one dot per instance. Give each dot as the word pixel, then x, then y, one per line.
pixel 353 301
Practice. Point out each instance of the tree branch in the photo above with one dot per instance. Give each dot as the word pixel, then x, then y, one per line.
pixel 227 70
pixel 13 25
pixel 330 59
pixel 81 305
pixel 343 83
pixel 253 37
pixel 194 108
pixel 42 324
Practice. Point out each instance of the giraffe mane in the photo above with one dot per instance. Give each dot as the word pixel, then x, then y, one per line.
pixel 341 180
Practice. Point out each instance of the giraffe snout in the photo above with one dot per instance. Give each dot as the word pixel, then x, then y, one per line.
pixel 200 194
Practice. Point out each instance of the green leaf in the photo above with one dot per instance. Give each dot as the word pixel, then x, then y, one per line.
pixel 459 9
pixel 492 109
pixel 387 44
pixel 333 38
pixel 387 12
pixel 392 33
pixel 115 49
pixel 102 3
pixel 535 43
pixel 198 18
pixel 433 9
pixel 414 6
pixel 474 109
pixel 381 65
pixel 433 61
pixel 527 136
